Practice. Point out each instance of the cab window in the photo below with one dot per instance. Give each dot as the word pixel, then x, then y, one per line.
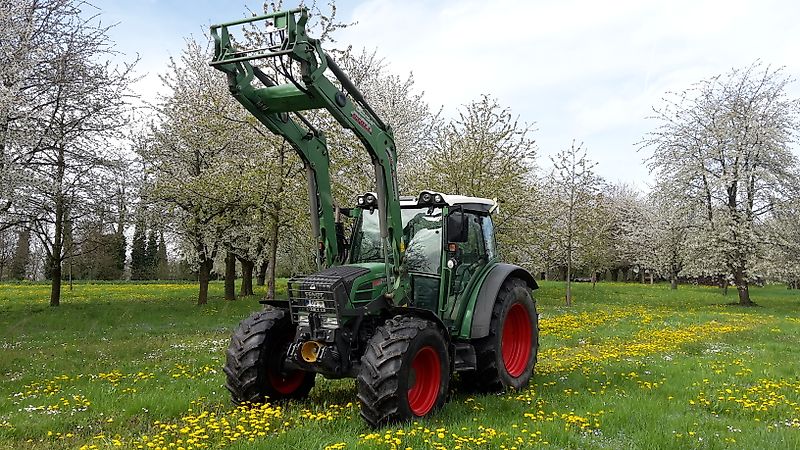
pixel 487 227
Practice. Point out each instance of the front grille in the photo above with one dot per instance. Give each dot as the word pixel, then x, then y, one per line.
pixel 323 294
pixel 312 294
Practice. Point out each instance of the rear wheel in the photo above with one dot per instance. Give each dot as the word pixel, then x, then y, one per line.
pixel 507 356
pixel 405 372
pixel 254 362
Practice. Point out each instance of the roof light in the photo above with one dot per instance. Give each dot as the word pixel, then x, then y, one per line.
pixel 367 200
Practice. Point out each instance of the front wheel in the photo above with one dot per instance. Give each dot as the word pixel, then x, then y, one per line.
pixel 507 356
pixel 405 372
pixel 254 362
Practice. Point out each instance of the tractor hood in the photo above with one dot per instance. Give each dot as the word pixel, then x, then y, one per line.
pixel 369 285
pixel 334 292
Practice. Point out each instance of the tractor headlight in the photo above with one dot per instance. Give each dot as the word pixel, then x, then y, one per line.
pixel 425 197
pixel 367 200
pixel 438 198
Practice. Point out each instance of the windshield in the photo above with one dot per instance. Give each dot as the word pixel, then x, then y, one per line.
pixel 422 234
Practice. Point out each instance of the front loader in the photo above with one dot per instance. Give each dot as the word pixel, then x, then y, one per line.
pixel 418 291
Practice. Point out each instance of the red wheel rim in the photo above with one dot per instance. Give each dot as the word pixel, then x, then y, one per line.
pixel 424 381
pixel 516 344
pixel 286 384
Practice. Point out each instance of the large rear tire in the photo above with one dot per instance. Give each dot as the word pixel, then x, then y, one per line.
pixel 507 356
pixel 254 362
pixel 405 372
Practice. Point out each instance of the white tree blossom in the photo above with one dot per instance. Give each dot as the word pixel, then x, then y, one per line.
pixel 67 101
pixel 726 144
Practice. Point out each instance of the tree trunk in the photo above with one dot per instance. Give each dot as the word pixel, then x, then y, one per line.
pixel 247 277
pixel 230 276
pixel 650 273
pixel 673 280
pixel 742 287
pixel 744 295
pixel 723 285
pixel 58 231
pixel 262 274
pixel 569 285
pixel 204 276
pixel 569 292
pixel 614 274
pixel 594 279
pixel 55 282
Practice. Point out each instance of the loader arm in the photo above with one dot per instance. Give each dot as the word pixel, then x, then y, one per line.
pixel 285 39
pixel 310 144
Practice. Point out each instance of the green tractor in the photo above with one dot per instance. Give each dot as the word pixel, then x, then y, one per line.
pixel 415 294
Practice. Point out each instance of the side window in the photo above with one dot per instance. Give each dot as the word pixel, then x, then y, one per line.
pixel 471 258
pixel 488 237
pixel 367 239
pixel 473 249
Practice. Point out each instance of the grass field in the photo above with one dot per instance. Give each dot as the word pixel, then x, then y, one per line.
pixel 629 366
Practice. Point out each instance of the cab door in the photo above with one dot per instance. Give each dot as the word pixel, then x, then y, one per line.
pixel 422 233
pixel 468 260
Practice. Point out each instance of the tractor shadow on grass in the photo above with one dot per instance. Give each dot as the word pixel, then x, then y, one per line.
pixel 338 392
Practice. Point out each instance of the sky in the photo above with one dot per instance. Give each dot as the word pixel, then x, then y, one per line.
pixel 589 71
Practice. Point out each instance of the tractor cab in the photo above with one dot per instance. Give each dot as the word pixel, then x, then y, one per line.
pixel 449 241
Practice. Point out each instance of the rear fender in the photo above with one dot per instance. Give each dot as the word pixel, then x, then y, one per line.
pixel 479 313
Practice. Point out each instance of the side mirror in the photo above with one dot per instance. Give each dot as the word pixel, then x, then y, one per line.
pixel 457 226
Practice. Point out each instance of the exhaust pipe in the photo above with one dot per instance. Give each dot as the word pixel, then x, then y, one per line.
pixel 310 350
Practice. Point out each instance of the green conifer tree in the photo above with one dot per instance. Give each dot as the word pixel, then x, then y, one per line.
pixel 151 255
pixel 22 256
pixel 139 252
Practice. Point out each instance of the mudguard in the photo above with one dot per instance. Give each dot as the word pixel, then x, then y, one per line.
pixel 482 312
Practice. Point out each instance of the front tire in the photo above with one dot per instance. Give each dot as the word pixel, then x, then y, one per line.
pixel 255 356
pixel 507 356
pixel 405 372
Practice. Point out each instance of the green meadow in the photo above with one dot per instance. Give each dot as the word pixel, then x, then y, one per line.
pixel 627 366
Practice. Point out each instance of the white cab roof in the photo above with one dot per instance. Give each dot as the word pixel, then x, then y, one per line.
pixel 468 202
